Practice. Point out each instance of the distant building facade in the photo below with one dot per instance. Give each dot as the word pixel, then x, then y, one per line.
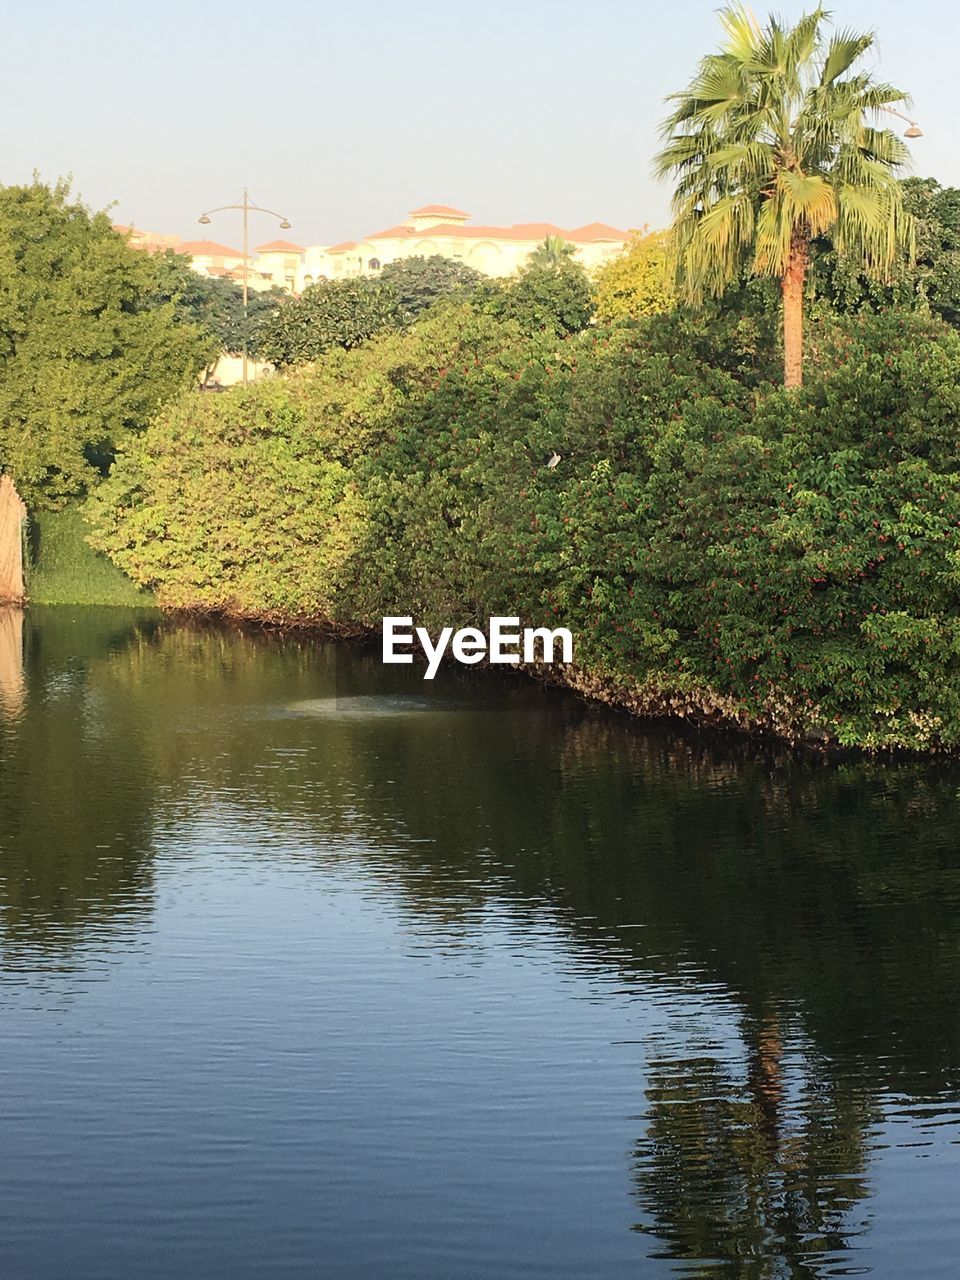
pixel 440 229
pixel 208 258
pixel 433 229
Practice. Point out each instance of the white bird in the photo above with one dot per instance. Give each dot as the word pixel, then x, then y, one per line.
pixel 553 460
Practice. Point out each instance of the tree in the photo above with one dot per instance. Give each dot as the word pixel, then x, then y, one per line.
pixel 543 297
pixel 928 278
pixel 771 145
pixel 215 305
pixel 420 282
pixel 639 281
pixel 551 252
pixel 333 313
pixel 87 353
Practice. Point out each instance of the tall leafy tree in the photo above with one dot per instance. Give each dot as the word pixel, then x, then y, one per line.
pixel 87 352
pixel 926 279
pixel 776 141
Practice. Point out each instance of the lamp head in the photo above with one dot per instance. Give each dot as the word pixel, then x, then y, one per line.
pixel 285 225
pixel 913 132
pixel 204 219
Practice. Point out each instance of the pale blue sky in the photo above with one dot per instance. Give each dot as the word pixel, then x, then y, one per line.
pixel 344 116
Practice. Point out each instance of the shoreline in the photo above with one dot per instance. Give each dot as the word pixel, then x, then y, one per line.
pixel 702 710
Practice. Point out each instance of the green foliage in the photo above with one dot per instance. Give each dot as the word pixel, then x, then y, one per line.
pixel 545 297
pixel 553 251
pixel 87 354
pixel 420 282
pixel 717 546
pixel 62 567
pixel 215 305
pixel 926 278
pixel 774 143
pixel 222 502
pixel 639 281
pixel 774 139
pixel 934 275
pixel 333 313
pixel 808 566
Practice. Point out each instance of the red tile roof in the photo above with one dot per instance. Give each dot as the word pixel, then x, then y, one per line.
pixel 209 249
pixel 441 210
pixel 149 241
pixel 597 231
pixel 342 247
pixel 394 233
pixel 533 231
pixel 280 246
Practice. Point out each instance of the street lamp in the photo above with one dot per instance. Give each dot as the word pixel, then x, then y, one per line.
pixel 246 208
pixel 914 130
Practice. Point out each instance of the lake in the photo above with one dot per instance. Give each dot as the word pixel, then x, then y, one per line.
pixel 309 968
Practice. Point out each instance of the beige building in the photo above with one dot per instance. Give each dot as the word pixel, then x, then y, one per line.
pixel 280 260
pixel 434 229
pixel 208 258
pixel 151 241
pixel 440 229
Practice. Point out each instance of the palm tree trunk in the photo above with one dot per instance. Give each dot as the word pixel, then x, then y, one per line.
pixel 792 285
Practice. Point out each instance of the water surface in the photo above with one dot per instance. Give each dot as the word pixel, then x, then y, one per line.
pixel 307 968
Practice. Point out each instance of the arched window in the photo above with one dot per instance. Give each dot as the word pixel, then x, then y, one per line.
pixel 307 281
pixel 374 264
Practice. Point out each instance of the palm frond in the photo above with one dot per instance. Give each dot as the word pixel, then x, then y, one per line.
pixel 742 29
pixel 776 140
pixel 843 51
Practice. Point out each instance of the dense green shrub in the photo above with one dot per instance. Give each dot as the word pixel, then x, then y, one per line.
pixel 220 506
pixel 788 559
pixel 807 563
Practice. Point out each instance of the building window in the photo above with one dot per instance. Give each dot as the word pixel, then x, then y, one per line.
pixel 374 264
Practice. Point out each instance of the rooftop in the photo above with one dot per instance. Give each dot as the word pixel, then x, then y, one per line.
pixel 590 233
pixel 439 211
pixel 209 249
pixel 280 246
pixel 535 231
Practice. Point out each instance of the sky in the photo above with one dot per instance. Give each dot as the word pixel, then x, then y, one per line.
pixel 343 117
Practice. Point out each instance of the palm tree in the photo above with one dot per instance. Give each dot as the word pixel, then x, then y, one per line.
pixel 552 251
pixel 774 142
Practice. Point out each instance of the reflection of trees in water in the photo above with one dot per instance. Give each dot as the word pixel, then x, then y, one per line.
pixel 831 890
pixel 753 1172
pixel 828 891
pixel 74 826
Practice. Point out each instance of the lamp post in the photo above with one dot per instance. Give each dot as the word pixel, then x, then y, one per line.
pixel 913 131
pixel 246 208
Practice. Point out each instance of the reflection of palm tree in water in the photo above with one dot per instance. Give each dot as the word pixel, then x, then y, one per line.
pixel 765 1077
pixel 752 1171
